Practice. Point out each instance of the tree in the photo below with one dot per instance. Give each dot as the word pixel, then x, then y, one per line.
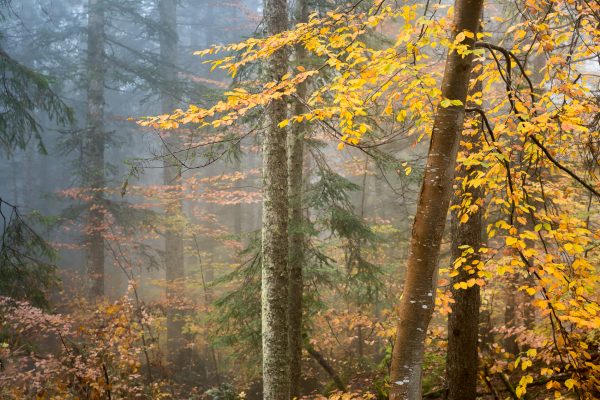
pixel 25 95
pixel 417 302
pixel 93 146
pixel 296 239
pixel 27 267
pixel 24 92
pixel 276 382
pixel 462 358
pixel 172 179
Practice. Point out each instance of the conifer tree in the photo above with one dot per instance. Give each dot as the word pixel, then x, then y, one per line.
pixel 93 146
pixel 174 263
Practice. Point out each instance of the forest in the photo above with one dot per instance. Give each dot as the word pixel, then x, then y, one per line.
pixel 300 199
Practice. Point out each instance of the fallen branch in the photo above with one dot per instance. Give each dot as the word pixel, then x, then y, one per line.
pixel 326 366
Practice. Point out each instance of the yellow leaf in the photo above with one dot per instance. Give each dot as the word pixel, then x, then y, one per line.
pixel 569 247
pixel 520 34
pixel 284 123
pixel 520 390
pixel 511 240
pixel 464 218
pixel 569 383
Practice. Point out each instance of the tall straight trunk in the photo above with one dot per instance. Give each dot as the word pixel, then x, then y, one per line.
pixel 416 305
pixel 363 205
pixel 93 147
pixel 174 263
pixel 276 368
pixel 463 323
pixel 296 239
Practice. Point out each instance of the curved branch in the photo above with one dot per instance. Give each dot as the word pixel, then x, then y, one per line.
pixel 563 168
pixel 508 55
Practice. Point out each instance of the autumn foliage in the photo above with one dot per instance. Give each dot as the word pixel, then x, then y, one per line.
pixel 373 77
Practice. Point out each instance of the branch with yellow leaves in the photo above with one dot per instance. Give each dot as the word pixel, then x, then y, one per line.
pixel 508 55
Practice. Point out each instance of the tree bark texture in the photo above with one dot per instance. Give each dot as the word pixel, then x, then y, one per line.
pixel 174 261
pixel 417 302
pixel 463 322
pixel 296 238
pixel 275 299
pixel 93 148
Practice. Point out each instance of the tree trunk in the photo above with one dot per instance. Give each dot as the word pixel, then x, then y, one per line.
pixel 276 372
pixel 93 148
pixel 416 306
pixel 363 204
pixel 510 315
pixel 296 239
pixel 174 263
pixel 463 322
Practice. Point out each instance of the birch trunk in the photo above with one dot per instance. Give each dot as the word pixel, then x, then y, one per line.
pixel 174 263
pixel 276 372
pixel 417 302
pixel 93 148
